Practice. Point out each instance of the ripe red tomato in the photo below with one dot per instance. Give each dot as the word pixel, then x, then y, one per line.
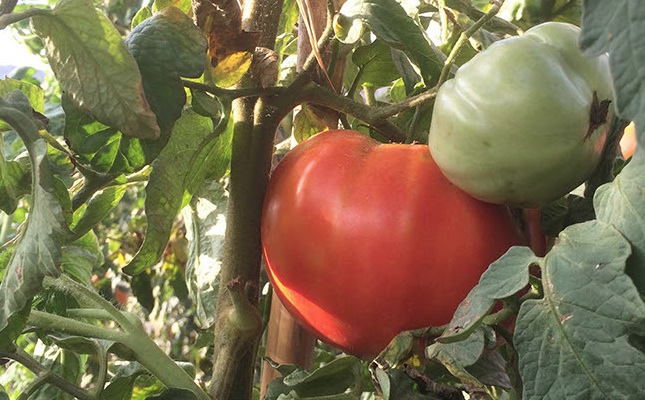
pixel 364 240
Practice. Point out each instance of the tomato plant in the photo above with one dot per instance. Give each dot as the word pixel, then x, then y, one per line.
pixel 363 240
pixel 525 121
pixel 134 164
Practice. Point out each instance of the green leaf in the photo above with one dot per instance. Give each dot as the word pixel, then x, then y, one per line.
pixel 122 384
pixel 506 276
pixel 528 13
pixel 396 384
pixel 398 349
pixel 340 379
pixel 98 348
pixel 174 394
pixel 375 64
pixel 15 182
pixel 288 17
pixel 166 187
pixel 620 203
pixel 101 203
pixel 475 12
pixel 307 122
pixel 68 365
pixel 574 343
pixel 612 27
pixel 6 253
pixel 133 382
pixel 83 345
pixel 81 257
pixel 390 23
pixel 34 93
pixel 167 46
pixel 143 14
pixel 457 356
pixel 38 253
pixel 490 369
pixel 14 324
pixel 205 104
pixel 184 5
pixel 205 221
pixel 463 353
pixel 95 68
pixel 213 159
pixel 100 147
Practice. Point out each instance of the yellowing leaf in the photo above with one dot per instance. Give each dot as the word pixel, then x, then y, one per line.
pixel 230 70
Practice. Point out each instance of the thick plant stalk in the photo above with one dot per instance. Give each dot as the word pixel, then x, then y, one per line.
pixel 238 325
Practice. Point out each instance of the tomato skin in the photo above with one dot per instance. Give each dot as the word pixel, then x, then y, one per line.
pixel 513 126
pixel 628 142
pixel 364 240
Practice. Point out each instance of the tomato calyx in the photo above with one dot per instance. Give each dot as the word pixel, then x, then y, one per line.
pixel 597 115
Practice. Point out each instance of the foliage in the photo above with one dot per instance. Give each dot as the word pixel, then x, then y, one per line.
pixel 132 180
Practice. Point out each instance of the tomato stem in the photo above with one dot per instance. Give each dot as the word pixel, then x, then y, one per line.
pixel 534 236
pixel 509 310
pixel 463 38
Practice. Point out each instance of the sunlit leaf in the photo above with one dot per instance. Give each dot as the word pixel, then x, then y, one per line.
pixel 213 159
pixel 230 48
pixel 34 93
pixel 95 68
pixel 308 121
pixel 205 224
pixel 38 253
pixel 230 69
pixel 15 181
pixel 81 256
pixel 99 205
pixel 122 383
pixel 103 148
pixel 63 363
pixel 528 13
pixel 390 23
pixel 143 14
pixel 166 187
pixel 375 65
pixel 167 46
pixel 184 5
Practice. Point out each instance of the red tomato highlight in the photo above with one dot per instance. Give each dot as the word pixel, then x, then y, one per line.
pixel 628 142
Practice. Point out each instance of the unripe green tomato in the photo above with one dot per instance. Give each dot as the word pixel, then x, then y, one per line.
pixel 513 126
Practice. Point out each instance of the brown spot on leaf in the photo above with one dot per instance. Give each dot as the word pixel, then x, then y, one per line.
pixel 221 21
